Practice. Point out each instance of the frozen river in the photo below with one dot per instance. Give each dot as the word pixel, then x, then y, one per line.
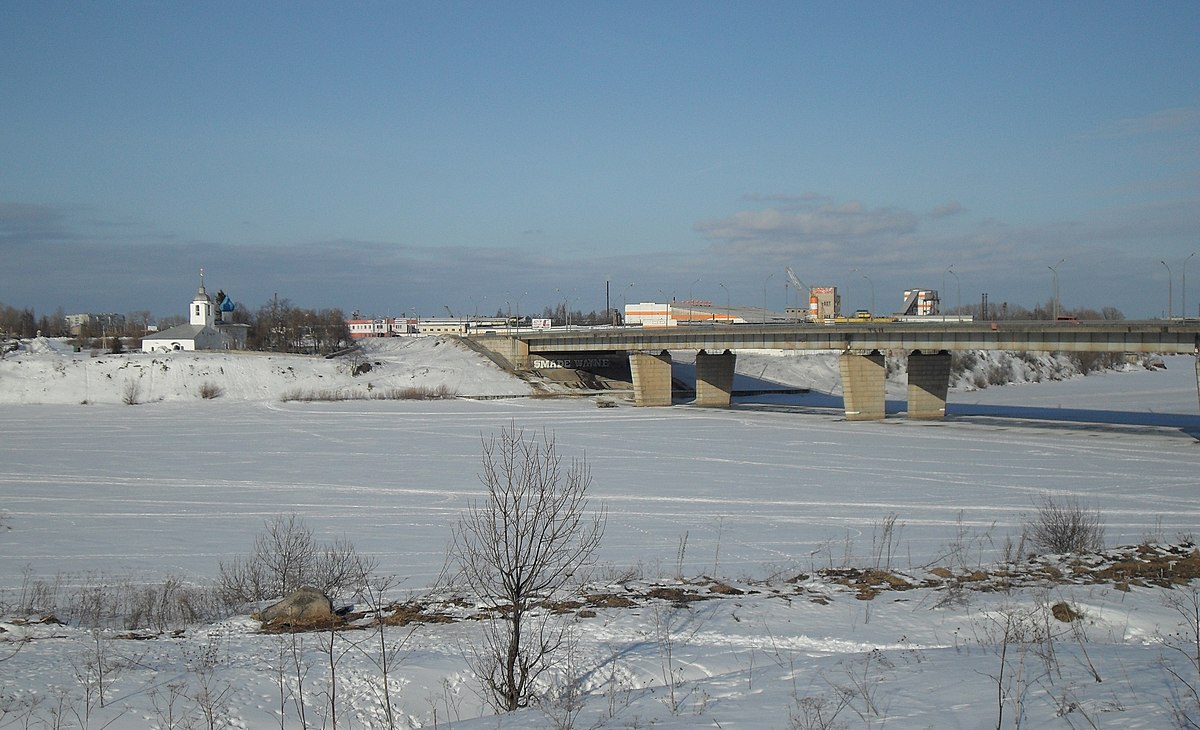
pixel 174 488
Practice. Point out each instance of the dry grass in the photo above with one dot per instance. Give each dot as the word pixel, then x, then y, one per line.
pixel 439 392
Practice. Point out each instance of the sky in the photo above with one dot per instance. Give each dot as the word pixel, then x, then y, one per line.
pixel 422 157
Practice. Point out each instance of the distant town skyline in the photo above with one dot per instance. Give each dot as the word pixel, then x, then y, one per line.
pixel 411 157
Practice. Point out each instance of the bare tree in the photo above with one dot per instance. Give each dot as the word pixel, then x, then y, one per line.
pixel 1184 642
pixel 525 542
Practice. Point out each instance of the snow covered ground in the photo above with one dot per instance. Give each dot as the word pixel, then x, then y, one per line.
pixel 757 495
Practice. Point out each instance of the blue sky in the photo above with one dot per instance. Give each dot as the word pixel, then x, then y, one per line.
pixel 403 157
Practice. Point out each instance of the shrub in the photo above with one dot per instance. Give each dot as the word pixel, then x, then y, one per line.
pixel 1093 362
pixel 210 390
pixel 1064 525
pixel 131 395
pixel 963 360
pixel 105 601
pixel 286 557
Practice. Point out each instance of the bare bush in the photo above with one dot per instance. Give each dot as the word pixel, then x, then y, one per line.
pixel 210 390
pixel 1094 362
pixel 286 557
pixel 522 544
pixel 100 601
pixel 885 541
pixel 1064 525
pixel 131 393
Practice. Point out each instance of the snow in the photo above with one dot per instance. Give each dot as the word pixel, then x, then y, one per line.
pixel 761 496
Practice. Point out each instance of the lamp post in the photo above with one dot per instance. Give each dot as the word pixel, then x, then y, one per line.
pixel 727 315
pixel 691 303
pixel 872 285
pixel 958 293
pixel 1183 294
pixel 624 292
pixel 765 281
pixel 1054 271
pixel 852 271
pixel 1170 294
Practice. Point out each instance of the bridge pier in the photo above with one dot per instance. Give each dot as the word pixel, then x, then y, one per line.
pixel 714 378
pixel 862 385
pixel 512 351
pixel 928 383
pixel 651 378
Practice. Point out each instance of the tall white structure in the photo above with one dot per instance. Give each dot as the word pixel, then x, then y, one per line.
pixel 202 308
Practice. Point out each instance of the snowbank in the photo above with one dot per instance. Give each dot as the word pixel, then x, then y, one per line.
pixel 50 372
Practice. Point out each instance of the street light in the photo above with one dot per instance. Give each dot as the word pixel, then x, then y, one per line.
pixel 1054 270
pixel 852 271
pixel 728 317
pixel 1170 294
pixel 625 292
pixel 1183 294
pixel 570 298
pixel 566 305
pixel 958 288
pixel 872 285
pixel 764 321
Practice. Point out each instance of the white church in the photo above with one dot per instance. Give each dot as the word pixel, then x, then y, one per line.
pixel 206 329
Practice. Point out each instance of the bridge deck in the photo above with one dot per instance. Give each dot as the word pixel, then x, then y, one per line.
pixel 1083 336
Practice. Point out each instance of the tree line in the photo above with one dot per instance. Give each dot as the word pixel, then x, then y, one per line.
pixel 280 326
pixel 277 326
pixel 1009 312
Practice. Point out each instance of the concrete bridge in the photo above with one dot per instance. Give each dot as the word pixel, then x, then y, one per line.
pixel 861 345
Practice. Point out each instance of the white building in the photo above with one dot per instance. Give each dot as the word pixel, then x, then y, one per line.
pixel 205 329
pixel 653 314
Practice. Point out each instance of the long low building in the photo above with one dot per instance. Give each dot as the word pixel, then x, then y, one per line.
pixel 653 314
pixel 411 326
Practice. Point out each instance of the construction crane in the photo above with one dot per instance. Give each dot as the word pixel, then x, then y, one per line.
pixel 802 292
pixel 801 289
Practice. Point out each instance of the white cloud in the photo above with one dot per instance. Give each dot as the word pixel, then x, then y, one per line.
pixel 947 209
pixel 1166 120
pixel 806 224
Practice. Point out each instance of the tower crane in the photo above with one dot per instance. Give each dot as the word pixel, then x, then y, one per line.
pixel 802 292
pixel 800 287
